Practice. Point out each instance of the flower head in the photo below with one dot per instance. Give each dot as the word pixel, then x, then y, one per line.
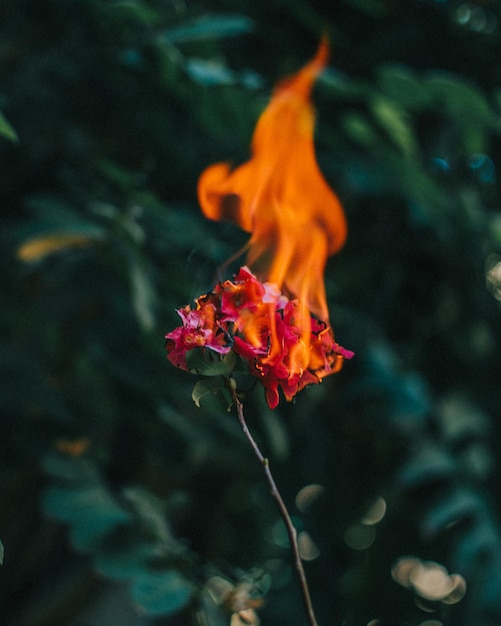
pixel 279 327
pixel 242 316
pixel 200 328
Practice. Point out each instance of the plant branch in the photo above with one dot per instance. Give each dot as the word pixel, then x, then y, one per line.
pixel 291 530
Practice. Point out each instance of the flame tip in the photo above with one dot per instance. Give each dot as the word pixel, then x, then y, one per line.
pixel 281 197
pixel 323 51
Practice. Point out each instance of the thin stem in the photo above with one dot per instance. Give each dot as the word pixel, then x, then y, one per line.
pixel 291 530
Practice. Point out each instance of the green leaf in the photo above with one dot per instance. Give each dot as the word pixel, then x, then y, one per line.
pixel 456 507
pixel 151 512
pixel 56 211
pixel 124 562
pixel 359 129
pixel 460 98
pixel 91 512
pixel 6 129
pixel 131 9
pixel 56 226
pixel 204 388
pixel 403 86
pixel 340 86
pixel 143 295
pixel 395 121
pixel 210 26
pixel 69 470
pixel 430 464
pixel 209 72
pixel 210 363
pixel 161 593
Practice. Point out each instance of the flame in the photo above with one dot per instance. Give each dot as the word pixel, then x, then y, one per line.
pixel 280 196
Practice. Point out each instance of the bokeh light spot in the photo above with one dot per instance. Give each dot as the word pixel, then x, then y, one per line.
pixel 376 513
pixel 493 276
pixel 307 496
pixel 476 18
pixel 429 580
pixel 359 536
pixel 458 590
pixel 279 534
pixel 402 569
pixel 308 549
pixel 440 166
pixel 482 168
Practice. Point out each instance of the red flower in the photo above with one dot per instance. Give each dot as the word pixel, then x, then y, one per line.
pixel 265 329
pixel 200 329
pixel 244 294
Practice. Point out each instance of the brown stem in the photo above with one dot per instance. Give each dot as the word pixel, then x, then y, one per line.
pixel 291 530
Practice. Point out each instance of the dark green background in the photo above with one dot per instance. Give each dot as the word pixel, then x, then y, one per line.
pixel 111 111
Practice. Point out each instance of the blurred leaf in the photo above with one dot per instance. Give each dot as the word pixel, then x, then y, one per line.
pixel 429 465
pixel 480 542
pixel 38 248
pixel 342 86
pixel 475 139
pixel 460 98
pixel 91 512
pixel 456 508
pixel 54 210
pixel 402 85
pixel 206 387
pixel 210 26
pixel 460 419
pixel 79 471
pixel 161 593
pixel 359 129
pixel 209 72
pixel 207 362
pixel 119 562
pixel 143 294
pixel 396 122
pixel 56 225
pixel 150 510
pixel 6 129
pixel 131 9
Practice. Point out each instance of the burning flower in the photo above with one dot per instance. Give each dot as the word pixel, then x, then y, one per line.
pixel 280 326
pixel 263 327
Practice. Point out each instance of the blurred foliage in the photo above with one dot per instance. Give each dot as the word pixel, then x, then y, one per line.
pixel 123 502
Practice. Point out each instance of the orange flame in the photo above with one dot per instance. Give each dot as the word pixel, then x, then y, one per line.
pixel 280 196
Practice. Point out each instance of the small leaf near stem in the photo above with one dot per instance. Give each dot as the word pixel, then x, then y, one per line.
pixel 291 530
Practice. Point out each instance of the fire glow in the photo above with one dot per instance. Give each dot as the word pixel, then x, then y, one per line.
pixel 273 316
pixel 280 196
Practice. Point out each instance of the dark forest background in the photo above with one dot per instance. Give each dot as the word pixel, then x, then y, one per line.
pixel 121 502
